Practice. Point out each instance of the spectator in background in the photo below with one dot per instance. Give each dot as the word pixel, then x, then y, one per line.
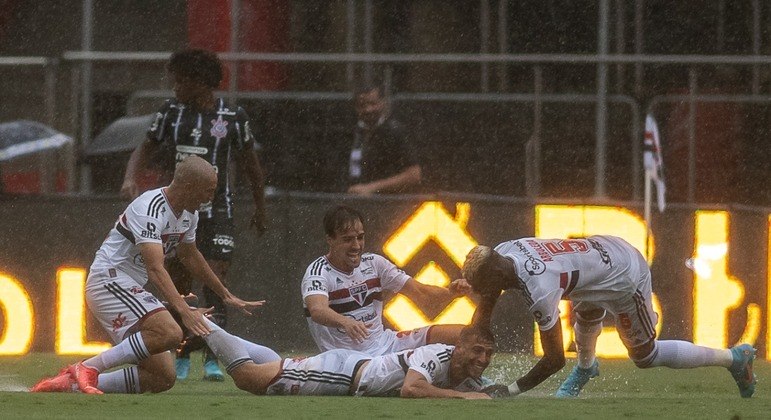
pixel 382 158
pixel 195 122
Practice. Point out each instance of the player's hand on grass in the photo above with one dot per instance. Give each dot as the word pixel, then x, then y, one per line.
pixel 129 190
pixel 497 391
pixel 460 287
pixel 357 330
pixel 476 396
pixel 258 221
pixel 242 305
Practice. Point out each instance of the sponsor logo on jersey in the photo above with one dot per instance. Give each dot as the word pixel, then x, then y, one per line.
pixel 604 256
pixel 533 265
pixel 543 253
pixel 167 225
pixel 368 258
pixel 219 128
pixel 138 260
pixel 315 286
pixel 338 281
pixel 540 319
pixel 223 240
pixel 150 299
pixel 185 223
pixel 367 270
pixel 151 232
pixel 359 292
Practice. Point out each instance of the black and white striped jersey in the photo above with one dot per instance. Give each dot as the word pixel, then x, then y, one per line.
pixel 358 295
pixel 148 219
pixel 212 135
pixel 593 269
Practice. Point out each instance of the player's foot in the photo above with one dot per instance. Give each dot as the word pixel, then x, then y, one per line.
pixel 62 382
pixel 741 369
pixel 183 367
pixel 577 379
pixel 212 372
pixel 86 377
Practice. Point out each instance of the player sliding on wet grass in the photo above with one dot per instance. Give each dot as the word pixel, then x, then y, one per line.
pixel 597 274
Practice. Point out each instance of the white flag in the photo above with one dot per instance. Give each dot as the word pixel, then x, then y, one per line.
pixel 654 164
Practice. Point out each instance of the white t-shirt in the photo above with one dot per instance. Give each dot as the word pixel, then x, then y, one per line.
pixel 148 219
pixel 357 295
pixel 385 375
pixel 594 269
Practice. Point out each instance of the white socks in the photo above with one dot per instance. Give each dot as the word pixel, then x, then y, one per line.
pixel 586 342
pixel 678 354
pixel 123 381
pixel 259 354
pixel 131 350
pixel 228 348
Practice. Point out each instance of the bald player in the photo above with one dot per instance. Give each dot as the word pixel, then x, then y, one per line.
pixel 155 225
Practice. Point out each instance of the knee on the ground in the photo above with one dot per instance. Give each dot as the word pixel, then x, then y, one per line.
pixel 163 379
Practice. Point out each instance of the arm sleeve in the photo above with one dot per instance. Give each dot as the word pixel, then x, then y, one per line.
pixel 190 233
pixel 314 285
pixel 391 277
pixel 159 126
pixel 431 361
pixel 145 228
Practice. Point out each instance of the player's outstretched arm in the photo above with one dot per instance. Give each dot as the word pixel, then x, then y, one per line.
pixel 196 264
pixel 416 386
pixel 431 299
pixel 152 254
pixel 552 361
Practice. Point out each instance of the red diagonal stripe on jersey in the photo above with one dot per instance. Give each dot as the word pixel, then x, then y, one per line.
pixel 344 293
pixel 568 287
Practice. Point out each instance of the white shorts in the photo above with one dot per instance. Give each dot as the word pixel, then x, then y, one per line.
pixel 329 373
pixel 119 302
pixel 635 318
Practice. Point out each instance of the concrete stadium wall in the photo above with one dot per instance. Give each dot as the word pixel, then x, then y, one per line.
pixel 42 234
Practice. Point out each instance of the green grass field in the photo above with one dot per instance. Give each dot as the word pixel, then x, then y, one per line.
pixel 621 391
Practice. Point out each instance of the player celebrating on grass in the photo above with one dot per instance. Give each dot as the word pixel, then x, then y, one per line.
pixel 154 225
pixel 598 274
pixel 431 371
pixel 343 294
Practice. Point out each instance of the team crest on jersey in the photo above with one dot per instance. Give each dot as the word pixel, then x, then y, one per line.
pixel 219 128
pixel 359 293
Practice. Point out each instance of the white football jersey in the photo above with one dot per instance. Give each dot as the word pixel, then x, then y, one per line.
pixel 148 219
pixel 357 295
pixel 597 268
pixel 384 375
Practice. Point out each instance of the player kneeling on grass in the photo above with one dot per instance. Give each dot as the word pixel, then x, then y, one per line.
pixel 431 371
pixel 155 224
pixel 598 274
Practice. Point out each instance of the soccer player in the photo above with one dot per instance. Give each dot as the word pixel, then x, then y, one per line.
pixel 343 294
pixel 156 224
pixel 597 274
pixel 431 371
pixel 196 123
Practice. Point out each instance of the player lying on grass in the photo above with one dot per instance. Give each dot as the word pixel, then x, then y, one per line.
pixel 431 371
pixel 598 274
pixel 154 225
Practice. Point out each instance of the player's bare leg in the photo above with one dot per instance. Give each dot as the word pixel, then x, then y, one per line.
pixel 255 378
pixel 445 334
pixel 156 373
pixel 587 329
pixel 158 333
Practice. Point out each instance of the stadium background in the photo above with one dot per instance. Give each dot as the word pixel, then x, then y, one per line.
pixel 552 124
